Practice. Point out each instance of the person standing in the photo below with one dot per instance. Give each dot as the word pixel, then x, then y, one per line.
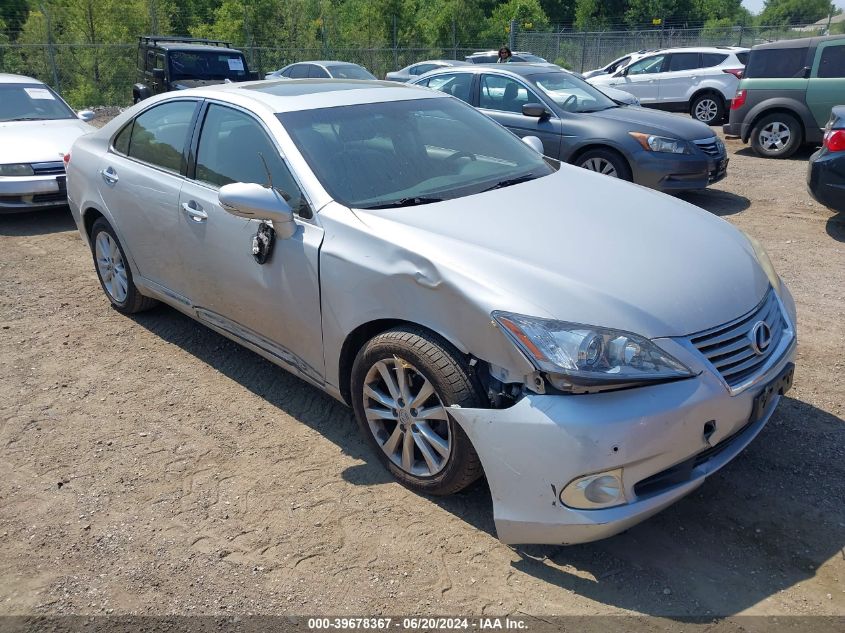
pixel 505 55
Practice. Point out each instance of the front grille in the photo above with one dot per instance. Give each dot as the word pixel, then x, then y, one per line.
pixel 710 146
pixel 729 347
pixel 56 168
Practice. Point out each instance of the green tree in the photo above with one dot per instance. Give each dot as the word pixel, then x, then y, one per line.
pixel 528 14
pixel 781 12
pixel 593 14
pixel 443 21
pixel 559 11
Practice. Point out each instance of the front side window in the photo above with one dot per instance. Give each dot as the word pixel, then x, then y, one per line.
pixel 234 147
pixel 505 94
pixel 647 66
pixel 832 62
pixel 31 102
pixel 619 63
pixel 403 153
pixel 159 134
pixel 317 72
pixel 350 71
pixel 684 61
pixel 455 84
pixel 300 71
pixel 776 63
pixel 572 94
pixel 421 69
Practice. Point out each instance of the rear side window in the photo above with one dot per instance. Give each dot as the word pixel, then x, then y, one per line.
pixel 458 85
pixel 832 62
pixel 421 69
pixel 776 63
pixel 743 58
pixel 684 61
pixel 708 60
pixel 121 141
pixel 300 71
pixel 159 134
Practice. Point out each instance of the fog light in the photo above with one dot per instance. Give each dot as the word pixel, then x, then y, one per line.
pixel 602 490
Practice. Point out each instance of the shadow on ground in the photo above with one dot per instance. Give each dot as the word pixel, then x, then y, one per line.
pixel 715 201
pixel 37 222
pixel 835 227
pixel 802 155
pixel 765 522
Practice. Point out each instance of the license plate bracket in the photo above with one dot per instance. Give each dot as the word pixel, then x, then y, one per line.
pixel 779 386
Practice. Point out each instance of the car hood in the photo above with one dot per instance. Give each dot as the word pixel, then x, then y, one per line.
pixel 39 141
pixel 656 122
pixel 582 247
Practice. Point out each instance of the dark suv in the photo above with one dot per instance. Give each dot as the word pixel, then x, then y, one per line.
pixel 786 94
pixel 174 63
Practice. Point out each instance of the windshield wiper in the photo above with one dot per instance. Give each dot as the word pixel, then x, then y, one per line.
pixel 509 182
pixel 405 202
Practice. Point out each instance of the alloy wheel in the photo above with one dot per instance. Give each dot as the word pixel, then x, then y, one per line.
pixel 775 136
pixel 111 267
pixel 601 165
pixel 706 110
pixel 407 418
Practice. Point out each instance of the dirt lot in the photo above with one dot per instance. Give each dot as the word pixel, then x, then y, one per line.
pixel 147 465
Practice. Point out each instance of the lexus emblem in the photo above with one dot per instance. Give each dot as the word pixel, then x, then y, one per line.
pixel 761 337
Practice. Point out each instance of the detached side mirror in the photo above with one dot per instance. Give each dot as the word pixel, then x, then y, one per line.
pixel 86 115
pixel 254 202
pixel 158 73
pixel 536 110
pixel 534 143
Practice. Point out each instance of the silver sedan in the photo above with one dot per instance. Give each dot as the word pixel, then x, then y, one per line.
pixel 595 349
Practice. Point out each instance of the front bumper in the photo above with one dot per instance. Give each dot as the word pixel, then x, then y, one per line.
pixel 678 172
pixel 532 450
pixel 826 179
pixel 32 193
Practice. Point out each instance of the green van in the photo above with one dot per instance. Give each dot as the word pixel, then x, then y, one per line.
pixel 786 94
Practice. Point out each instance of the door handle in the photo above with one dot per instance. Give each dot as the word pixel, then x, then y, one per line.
pixel 194 211
pixel 109 175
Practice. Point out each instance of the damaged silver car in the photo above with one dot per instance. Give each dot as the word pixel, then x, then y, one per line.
pixel 593 348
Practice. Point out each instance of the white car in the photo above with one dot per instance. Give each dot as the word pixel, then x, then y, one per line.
pixel 37 129
pixel 701 81
pixel 617 64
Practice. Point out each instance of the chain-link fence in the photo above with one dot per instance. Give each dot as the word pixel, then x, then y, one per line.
pixel 585 50
pixel 90 72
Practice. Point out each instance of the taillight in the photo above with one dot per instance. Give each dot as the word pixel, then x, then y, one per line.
pixel 66 159
pixel 739 99
pixel 736 72
pixel 834 140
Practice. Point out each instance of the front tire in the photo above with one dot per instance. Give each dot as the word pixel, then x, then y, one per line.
pixel 777 135
pixel 113 271
pixel 605 161
pixel 708 108
pixel 402 383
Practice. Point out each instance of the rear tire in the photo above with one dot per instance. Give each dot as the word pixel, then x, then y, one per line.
pixel 113 271
pixel 708 108
pixel 605 161
pixel 403 382
pixel 777 135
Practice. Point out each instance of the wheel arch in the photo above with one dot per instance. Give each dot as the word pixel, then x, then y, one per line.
pixel 766 109
pixel 708 90
pixel 359 336
pixel 578 153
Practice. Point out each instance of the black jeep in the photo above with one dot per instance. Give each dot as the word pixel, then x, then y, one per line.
pixel 167 63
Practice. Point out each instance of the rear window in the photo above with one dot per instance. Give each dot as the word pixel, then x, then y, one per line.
pixel 776 63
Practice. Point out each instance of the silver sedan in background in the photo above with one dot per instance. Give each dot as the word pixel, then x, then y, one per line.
pixel 483 309
pixel 421 68
pixel 37 129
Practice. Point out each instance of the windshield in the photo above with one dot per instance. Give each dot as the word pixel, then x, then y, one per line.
pixel 349 72
pixel 206 65
pixel 31 102
pixel 400 153
pixel 572 94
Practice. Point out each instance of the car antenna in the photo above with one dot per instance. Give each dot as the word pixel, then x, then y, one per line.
pixel 270 177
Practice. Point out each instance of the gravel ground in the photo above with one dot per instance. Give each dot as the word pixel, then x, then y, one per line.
pixel 150 466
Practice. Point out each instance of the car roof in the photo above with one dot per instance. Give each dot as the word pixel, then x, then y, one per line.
pixel 804 42
pixel 325 62
pixel 698 49
pixel 524 69
pixel 178 46
pixel 289 95
pixel 8 78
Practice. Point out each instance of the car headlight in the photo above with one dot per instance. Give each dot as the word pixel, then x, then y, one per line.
pixel 652 143
pixel 764 261
pixel 577 357
pixel 20 169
